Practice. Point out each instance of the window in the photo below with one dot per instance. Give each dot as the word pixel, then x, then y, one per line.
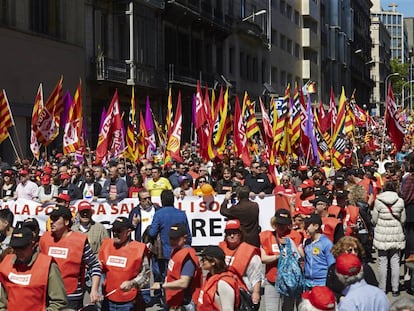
pixel 44 17
pixel 297 50
pixel 289 46
pixel 282 42
pixel 283 78
pixel 297 18
pixel 263 73
pixel 232 56
pixel 275 35
pixel 282 7
pixel 255 70
pixel 289 11
pixel 274 75
pixel 249 67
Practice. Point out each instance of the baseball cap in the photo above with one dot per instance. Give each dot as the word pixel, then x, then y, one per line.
pixel 233 224
pixel 63 196
pixel 339 179
pixel 8 173
pixel 348 264
pixel 307 183
pixel 321 198
pixel 177 230
pixel 23 172
pixel 341 194
pixel 60 211
pixel 32 224
pixel 21 237
pixel 321 297
pixel 182 178
pixel 321 190
pixel 121 223
pixel 314 219
pixel 45 180
pixel 84 205
pixel 64 176
pixel 303 168
pixel 283 217
pixel 213 251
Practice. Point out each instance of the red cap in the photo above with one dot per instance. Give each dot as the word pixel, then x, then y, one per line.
pixel 23 172
pixel 348 264
pixel 321 297
pixel 304 210
pixel 233 224
pixel 84 205
pixel 307 183
pixel 47 170
pixel 45 180
pixel 63 196
pixel 59 155
pixel 303 168
pixel 64 176
pixel 368 163
pixel 8 173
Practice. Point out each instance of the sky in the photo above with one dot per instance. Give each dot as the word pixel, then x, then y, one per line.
pixel 405 7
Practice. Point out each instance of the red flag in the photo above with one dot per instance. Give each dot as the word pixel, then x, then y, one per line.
pixel 240 139
pixel 305 142
pixel 131 135
pixel 73 134
pixel 332 112
pixel 6 118
pixel 394 129
pixel 174 140
pixel 111 140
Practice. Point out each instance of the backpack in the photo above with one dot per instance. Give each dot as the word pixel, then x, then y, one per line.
pixel 246 303
pixel 289 278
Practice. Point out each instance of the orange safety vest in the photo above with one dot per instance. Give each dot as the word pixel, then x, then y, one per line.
pixel 238 260
pixel 334 210
pixel 328 227
pixel 205 301
pixel 26 288
pixel 175 297
pixel 270 246
pixel 351 218
pixel 121 264
pixel 68 253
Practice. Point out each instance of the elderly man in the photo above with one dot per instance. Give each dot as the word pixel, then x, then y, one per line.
pixel 71 250
pixel 30 280
pixel 126 266
pixel 26 189
pixel 358 294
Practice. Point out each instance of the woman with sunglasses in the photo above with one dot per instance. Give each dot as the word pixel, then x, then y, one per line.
pixel 349 245
pixel 220 290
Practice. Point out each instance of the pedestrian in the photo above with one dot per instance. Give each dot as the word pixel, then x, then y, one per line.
pixel 183 275
pixel 30 280
pixel 220 290
pixel 358 294
pixel 246 211
pixel 388 217
pixel 126 267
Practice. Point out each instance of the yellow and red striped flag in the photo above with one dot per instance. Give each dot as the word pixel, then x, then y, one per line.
pixel 73 134
pixel 249 117
pixel 142 138
pixel 6 118
pixel 37 107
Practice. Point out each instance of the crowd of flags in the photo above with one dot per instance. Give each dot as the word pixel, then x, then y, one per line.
pixel 291 128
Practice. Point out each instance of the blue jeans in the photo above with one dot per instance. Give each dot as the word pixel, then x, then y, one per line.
pixel 112 306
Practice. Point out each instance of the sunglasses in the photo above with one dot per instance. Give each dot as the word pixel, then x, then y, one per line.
pixel 352 250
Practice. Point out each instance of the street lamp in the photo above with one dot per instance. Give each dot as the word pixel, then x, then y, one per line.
pixel 254 14
pixel 386 86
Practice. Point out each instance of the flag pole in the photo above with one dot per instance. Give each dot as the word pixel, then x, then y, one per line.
pixel 14 128
pixel 14 148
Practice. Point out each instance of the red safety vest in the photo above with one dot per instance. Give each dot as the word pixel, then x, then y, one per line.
pixel 68 253
pixel 121 264
pixel 269 245
pixel 175 297
pixel 26 288
pixel 205 301
pixel 328 227
pixel 351 218
pixel 238 259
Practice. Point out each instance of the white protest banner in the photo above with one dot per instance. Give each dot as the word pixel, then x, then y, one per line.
pixel 206 222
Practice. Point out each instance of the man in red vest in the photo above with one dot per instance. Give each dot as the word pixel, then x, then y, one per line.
pixel 30 280
pixel 183 274
pixel 72 253
pixel 126 265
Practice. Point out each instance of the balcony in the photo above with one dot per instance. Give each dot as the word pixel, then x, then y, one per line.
pixel 118 71
pixel 310 8
pixel 199 15
pixel 183 76
pixel 309 39
pixel 251 32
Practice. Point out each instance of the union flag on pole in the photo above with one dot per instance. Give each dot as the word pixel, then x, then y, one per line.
pixel 111 138
pixel 73 133
pixel 174 140
pixel 394 129
pixel 6 118
pixel 131 140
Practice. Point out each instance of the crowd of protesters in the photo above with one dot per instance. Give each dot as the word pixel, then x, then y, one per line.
pixel 334 219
